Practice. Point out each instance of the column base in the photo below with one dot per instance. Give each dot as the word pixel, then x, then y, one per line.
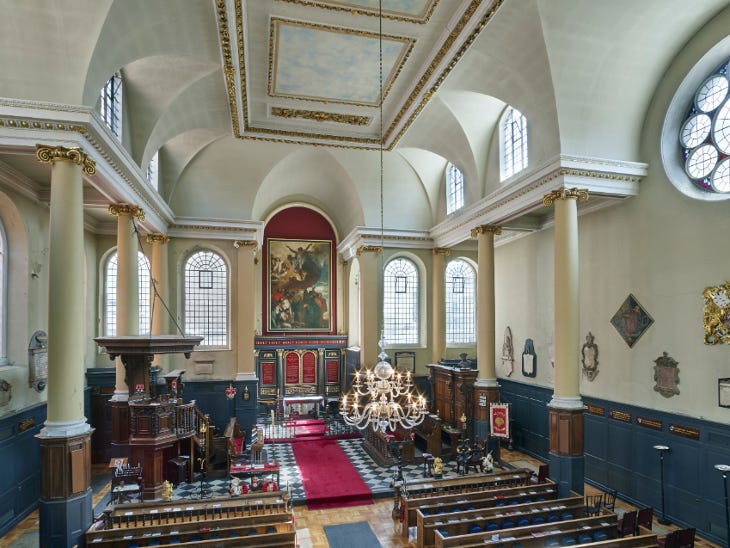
pixel 568 473
pixel 63 522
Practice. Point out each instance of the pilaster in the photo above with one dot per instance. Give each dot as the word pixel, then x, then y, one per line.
pixel 246 259
pixel 438 293
pixel 369 304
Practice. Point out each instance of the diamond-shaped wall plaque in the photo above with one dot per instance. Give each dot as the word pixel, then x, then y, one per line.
pixel 631 320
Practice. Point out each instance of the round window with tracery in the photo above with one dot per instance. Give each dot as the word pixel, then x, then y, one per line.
pixel 705 134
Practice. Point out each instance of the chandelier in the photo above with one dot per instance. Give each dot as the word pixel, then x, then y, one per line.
pixel 383 398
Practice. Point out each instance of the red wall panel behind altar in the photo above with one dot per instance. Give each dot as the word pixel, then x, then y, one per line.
pixel 304 224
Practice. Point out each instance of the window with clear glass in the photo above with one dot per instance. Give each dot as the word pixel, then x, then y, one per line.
pixel 110 106
pixel 513 143
pixel 206 298
pixel 460 303
pixel 454 188
pixel 704 136
pixel 153 171
pixel 400 302
pixel 110 295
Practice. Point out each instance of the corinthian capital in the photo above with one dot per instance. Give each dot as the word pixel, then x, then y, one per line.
pixel 116 210
pixel 47 153
pixel 486 229
pixel 580 194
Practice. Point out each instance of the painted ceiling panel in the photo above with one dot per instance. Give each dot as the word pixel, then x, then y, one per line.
pixel 410 10
pixel 333 64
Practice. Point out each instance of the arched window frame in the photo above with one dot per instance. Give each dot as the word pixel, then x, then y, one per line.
pixel 197 321
pixel 454 188
pixel 109 324
pixel 512 143
pixel 110 104
pixel 460 303
pixel 402 301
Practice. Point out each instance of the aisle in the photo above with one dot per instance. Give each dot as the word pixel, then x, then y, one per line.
pixel 329 478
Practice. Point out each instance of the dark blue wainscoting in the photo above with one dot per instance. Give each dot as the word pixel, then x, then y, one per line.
pixel 211 399
pixel 619 454
pixel 20 465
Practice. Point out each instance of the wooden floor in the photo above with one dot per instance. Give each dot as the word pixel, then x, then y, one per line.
pixel 310 523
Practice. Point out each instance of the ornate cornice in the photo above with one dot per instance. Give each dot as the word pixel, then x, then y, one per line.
pixel 321 116
pixel 486 229
pixel 48 153
pixel 445 251
pixel 157 238
pixel 115 210
pixel 369 249
pixel 395 16
pixel 564 194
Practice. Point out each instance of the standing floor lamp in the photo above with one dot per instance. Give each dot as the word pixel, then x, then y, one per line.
pixel 662 449
pixel 725 468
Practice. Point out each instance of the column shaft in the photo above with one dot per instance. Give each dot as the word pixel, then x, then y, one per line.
pixel 245 308
pixel 438 294
pixel 159 292
pixel 66 306
pixel 370 303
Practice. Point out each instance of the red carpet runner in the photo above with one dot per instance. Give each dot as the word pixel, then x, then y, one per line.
pixel 329 478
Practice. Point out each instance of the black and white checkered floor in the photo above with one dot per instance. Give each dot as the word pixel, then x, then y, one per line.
pixel 376 477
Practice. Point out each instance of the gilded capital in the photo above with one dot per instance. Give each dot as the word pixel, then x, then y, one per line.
pixel 565 193
pixel 116 210
pixel 157 238
pixel 369 249
pixel 246 243
pixel 47 153
pixel 445 251
pixel 486 229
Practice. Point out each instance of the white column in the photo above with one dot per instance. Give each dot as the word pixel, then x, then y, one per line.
pixel 66 304
pixel 486 350
pixel 127 283
pixel 567 307
pixel 159 290
pixel 370 303
pixel 246 287
pixel 438 297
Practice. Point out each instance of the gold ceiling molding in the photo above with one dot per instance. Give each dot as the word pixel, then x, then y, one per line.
pixel 564 194
pixel 49 153
pixel 468 14
pixel 349 8
pixel 273 39
pixel 157 238
pixel 320 116
pixel 241 127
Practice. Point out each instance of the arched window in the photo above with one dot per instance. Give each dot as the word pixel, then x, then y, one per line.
pixel 400 302
pixel 110 106
pixel 206 298
pixel 460 303
pixel 454 188
pixel 705 134
pixel 513 130
pixel 110 295
pixel 153 173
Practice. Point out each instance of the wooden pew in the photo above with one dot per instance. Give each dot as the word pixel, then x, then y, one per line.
pixel 276 526
pixel 442 507
pixel 458 524
pixel 420 490
pixel 537 536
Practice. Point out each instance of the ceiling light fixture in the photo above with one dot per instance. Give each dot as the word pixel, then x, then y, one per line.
pixel 382 397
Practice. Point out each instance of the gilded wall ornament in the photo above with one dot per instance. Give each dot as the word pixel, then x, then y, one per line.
pixel 716 314
pixel 508 353
pixel 666 375
pixel 589 357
